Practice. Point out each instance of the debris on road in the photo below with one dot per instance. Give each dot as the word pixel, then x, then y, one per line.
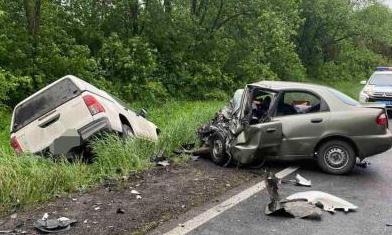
pixel 328 201
pixel 134 192
pixel 194 158
pixel 303 204
pixel 299 181
pixel 163 163
pixel 363 164
pixel 302 209
pixel 53 225
pixel 302 181
pixel 158 156
pixel 138 197
pixel 120 211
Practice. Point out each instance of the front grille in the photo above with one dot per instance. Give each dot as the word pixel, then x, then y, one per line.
pixel 382 94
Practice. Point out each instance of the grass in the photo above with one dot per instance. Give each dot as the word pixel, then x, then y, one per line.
pixel 28 179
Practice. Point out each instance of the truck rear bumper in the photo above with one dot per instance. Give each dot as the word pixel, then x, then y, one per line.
pixel 73 138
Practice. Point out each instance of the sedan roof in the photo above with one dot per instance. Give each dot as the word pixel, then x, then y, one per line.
pixel 281 85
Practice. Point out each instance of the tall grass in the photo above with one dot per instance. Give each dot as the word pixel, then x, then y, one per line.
pixel 29 179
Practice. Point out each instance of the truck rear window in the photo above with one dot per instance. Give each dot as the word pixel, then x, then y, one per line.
pixel 44 102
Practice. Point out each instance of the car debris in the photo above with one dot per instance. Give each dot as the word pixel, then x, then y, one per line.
pixel 296 209
pixel 120 211
pixel 363 164
pixel 327 201
pixel 195 158
pixel 53 225
pixel 163 163
pixel 302 209
pixel 266 121
pixel 135 192
pixel 299 180
pixel 159 156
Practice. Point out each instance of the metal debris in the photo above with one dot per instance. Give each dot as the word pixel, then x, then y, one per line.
pixel 363 164
pixel 53 225
pixel 158 156
pixel 134 192
pixel 302 181
pixel 194 158
pixel 120 211
pixel 302 209
pixel 272 189
pixel 163 163
pixel 328 201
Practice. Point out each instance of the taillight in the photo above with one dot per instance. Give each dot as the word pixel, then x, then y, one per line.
pixel 382 120
pixel 15 145
pixel 93 105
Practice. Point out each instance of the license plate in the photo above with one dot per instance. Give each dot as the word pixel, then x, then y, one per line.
pixel 386 102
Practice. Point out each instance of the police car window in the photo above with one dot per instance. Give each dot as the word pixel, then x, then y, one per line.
pixel 381 80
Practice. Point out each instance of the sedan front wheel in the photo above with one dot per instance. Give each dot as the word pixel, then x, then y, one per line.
pixel 336 157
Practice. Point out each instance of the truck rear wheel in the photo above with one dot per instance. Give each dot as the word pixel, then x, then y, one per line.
pixel 127 131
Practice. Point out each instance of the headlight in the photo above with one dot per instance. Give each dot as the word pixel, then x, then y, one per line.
pixel 368 90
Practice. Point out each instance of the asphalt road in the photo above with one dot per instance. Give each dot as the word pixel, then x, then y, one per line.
pixel 370 189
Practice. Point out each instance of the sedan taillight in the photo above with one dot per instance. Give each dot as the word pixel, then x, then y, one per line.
pixel 382 120
pixel 93 105
pixel 15 145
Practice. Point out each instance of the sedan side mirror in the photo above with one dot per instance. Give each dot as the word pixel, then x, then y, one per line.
pixel 142 113
pixel 363 82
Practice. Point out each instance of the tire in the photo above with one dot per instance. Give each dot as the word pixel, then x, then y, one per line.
pixel 218 149
pixel 336 157
pixel 127 131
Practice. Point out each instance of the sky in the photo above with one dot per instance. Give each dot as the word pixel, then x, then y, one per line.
pixel 388 2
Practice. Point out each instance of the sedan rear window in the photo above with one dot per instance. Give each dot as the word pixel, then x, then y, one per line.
pixel 343 97
pixel 44 102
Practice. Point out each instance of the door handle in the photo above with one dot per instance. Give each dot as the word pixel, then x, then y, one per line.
pixel 316 120
pixel 270 130
pixel 49 121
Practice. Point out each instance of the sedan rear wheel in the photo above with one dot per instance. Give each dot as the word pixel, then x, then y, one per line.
pixel 336 157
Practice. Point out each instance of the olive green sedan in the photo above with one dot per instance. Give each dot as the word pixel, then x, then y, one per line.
pixel 290 121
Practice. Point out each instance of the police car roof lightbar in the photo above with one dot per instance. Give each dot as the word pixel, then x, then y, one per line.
pixel 382 68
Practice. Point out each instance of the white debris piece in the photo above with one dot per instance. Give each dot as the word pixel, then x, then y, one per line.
pixel 45 216
pixel 329 202
pixel 302 181
pixel 133 191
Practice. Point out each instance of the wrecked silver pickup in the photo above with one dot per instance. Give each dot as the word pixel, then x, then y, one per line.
pixel 289 121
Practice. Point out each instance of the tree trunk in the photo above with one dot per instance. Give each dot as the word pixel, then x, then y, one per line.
pixel 33 10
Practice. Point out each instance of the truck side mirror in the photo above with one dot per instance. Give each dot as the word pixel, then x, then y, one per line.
pixel 363 82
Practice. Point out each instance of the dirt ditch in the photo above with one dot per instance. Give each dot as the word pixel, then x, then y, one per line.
pixel 139 203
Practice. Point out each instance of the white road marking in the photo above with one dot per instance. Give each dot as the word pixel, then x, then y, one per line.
pixel 229 203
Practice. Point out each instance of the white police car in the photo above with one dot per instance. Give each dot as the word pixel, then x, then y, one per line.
pixel 378 88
